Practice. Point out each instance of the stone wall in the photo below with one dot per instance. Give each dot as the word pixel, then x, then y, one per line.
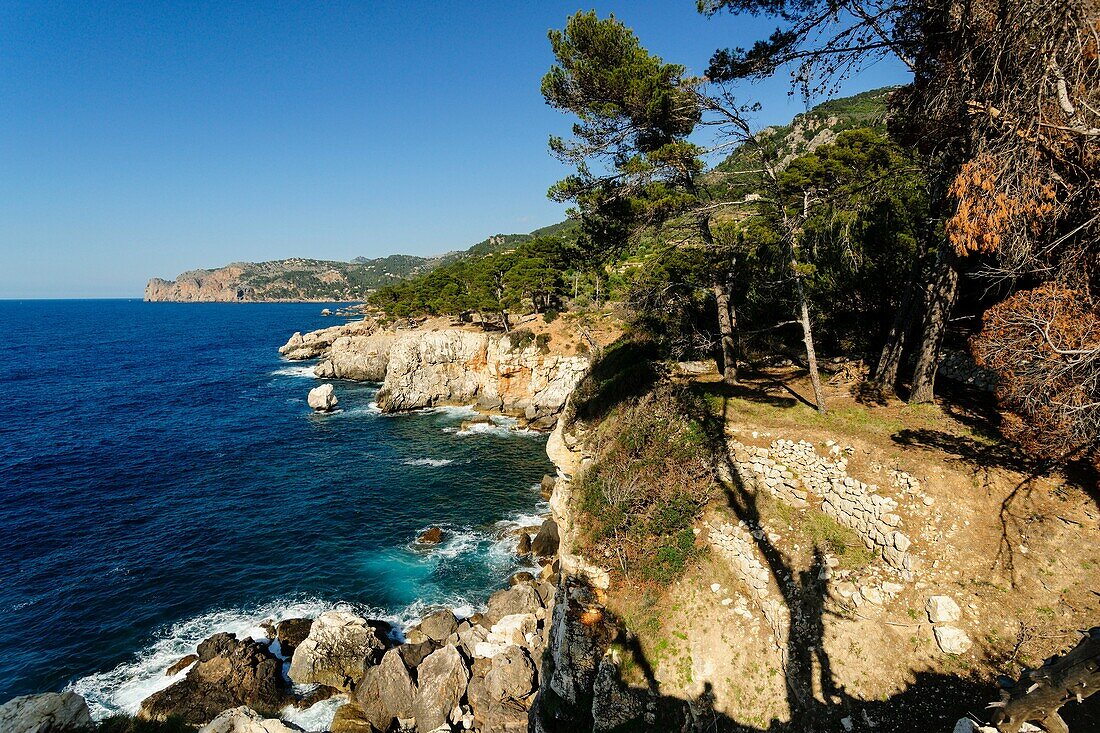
pixel 959 366
pixel 795 473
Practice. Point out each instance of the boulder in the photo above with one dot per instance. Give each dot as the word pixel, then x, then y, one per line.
pixel 414 654
pixel 514 628
pixel 942 610
pixel 335 652
pixel 326 312
pixel 521 577
pixel 522 598
pixel 325 370
pixel 291 633
pixel 470 636
pixel 245 720
pixel 546 486
pixel 386 692
pixel 952 640
pixel 546 541
pixel 49 712
pixel 439 626
pixel 322 399
pixel 523 546
pixel 511 676
pixel 350 718
pixel 430 536
pixel 181 665
pixel 228 673
pixel 442 679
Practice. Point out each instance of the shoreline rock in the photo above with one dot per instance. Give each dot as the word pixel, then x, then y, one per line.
pixel 323 398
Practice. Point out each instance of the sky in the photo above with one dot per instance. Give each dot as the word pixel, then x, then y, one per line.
pixel 144 139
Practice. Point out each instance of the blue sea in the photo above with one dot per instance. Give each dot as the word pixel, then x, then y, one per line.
pixel 161 479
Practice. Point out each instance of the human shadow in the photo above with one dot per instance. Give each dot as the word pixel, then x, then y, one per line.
pixel 816 701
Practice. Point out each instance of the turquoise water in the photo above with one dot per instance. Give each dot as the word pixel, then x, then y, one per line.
pixel 161 478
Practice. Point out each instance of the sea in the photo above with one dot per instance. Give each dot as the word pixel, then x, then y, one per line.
pixel 162 479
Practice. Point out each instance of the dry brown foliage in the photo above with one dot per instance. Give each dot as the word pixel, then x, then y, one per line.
pixel 1044 345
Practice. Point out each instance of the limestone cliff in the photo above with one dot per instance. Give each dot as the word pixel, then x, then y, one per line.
pixel 295 279
pixel 424 368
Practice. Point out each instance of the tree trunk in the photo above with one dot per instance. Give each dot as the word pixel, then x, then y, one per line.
pixel 808 339
pixel 885 376
pixel 727 327
pixel 504 320
pixel 1040 693
pixel 941 298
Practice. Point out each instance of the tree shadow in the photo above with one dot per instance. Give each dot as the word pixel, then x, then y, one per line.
pixel 816 702
pixel 625 370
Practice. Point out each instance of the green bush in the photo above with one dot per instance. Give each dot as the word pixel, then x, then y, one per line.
pixel 652 476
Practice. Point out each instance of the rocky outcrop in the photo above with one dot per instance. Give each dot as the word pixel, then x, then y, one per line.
pixel 335 651
pixel 50 712
pixel 229 673
pixel 323 398
pixel 386 691
pixel 245 720
pixel 444 367
pixel 442 677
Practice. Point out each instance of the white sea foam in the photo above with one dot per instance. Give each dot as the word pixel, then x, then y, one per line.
pixel 122 689
pixel 297 370
pixel 316 717
pixel 433 462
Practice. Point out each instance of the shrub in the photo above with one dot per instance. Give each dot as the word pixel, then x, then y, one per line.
pixel 652 475
pixel 550 316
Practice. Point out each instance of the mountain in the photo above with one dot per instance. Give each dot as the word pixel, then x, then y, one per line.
pixel 299 279
pixel 324 280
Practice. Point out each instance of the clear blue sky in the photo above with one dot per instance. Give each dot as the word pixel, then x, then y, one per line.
pixel 142 139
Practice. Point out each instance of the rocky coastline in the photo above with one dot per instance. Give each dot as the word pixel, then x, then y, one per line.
pixel 485 672
pixel 507 373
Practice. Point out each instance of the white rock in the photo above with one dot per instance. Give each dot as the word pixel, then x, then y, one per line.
pixel 244 720
pixel 942 610
pixel 322 398
pixel 715 587
pixel 952 640
pixel 49 712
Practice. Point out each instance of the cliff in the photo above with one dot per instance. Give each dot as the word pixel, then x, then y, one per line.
pixel 293 279
pixel 508 373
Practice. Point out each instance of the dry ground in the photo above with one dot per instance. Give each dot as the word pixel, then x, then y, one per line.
pixel 1016 546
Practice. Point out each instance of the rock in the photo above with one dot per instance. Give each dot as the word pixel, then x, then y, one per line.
pixel 439 626
pixel 546 486
pixel 350 718
pixel 245 720
pixel 952 640
pixel 614 705
pixel 49 712
pixel 513 629
pixel 442 679
pixel 326 312
pixel 386 691
pixel 546 541
pixel 181 665
pixel 325 370
pixel 522 598
pixel 579 638
pixel 228 673
pixel 334 653
pixel 521 577
pixel 470 636
pixel 430 536
pixel 322 399
pixel 291 633
pixel 872 594
pixel 523 546
pixel 414 654
pixel 942 610
pixel 511 676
